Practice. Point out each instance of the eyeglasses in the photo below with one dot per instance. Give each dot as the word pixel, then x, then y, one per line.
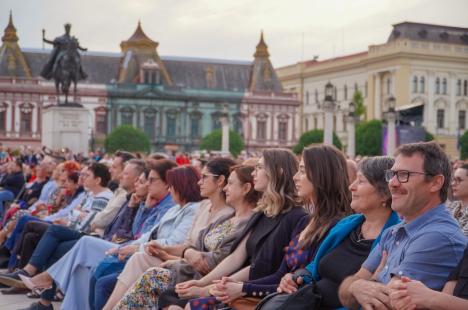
pixel 457 180
pixel 205 176
pixel 153 179
pixel 402 175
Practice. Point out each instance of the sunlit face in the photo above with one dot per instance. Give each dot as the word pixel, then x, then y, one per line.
pixel 460 184
pixel 365 196
pixel 235 190
pixel 116 168
pixel 409 198
pixel 305 188
pixel 260 176
pixel 141 186
pixel 156 187
pixel 208 183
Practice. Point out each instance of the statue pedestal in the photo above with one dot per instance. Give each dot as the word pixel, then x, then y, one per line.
pixel 66 125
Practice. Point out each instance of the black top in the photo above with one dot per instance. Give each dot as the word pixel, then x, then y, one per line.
pixel 269 236
pixel 460 274
pixel 13 182
pixel 343 261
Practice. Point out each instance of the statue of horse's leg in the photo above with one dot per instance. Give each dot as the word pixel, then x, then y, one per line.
pixel 57 90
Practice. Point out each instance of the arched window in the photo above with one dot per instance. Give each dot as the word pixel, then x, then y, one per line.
pixel 415 84
pixel 170 125
pixel 462 119
pixel 126 116
pixel 26 118
pixel 3 114
pixel 440 118
pixel 422 87
pixel 437 86
pixel 150 123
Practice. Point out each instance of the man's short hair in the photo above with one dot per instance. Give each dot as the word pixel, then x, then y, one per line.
pixel 435 162
pixel 161 166
pixel 102 171
pixel 126 156
pixel 140 165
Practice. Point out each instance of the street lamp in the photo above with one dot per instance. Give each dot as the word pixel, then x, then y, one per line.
pixel 351 119
pixel 328 108
pixel 390 116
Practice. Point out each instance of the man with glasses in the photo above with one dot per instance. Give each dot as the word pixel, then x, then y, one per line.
pixel 459 207
pixel 426 246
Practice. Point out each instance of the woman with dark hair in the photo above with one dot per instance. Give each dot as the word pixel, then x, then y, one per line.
pixel 212 181
pixel 212 246
pixel 260 250
pixel 322 185
pixel 349 242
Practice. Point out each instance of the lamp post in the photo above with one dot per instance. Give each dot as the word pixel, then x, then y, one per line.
pixel 390 116
pixel 351 128
pixel 328 108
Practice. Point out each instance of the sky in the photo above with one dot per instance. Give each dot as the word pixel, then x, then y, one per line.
pixel 294 30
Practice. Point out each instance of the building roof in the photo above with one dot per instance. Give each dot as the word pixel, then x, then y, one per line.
pixel 429 32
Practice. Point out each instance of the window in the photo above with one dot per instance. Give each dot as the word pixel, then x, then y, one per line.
pixel 345 92
pixel 365 90
pixel 126 116
pixel 356 88
pixel 150 124
pixel 415 85
pixel 306 124
pixel 465 88
pixel 170 125
pixel 422 84
pixel 316 96
pixel 437 86
pixel 282 131
pixel 315 122
pixel 440 118
pixel 334 123
pixel 459 87
pixel 462 120
pixel 3 112
pixel 261 129
pixel 195 127
pixel 26 118
pixel 101 123
pixel 216 123
pixel 307 97
pixel 444 86
pixel 389 86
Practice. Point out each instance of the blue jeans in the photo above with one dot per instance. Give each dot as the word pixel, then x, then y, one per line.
pixel 5 195
pixel 55 243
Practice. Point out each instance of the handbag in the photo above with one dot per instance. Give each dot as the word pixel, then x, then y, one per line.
pixel 306 297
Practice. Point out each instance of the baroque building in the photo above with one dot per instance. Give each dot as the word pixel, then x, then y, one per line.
pixel 174 100
pixel 424 66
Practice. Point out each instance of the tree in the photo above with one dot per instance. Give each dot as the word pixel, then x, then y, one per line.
pixel 213 140
pixel 314 136
pixel 428 136
pixel 128 138
pixel 464 145
pixel 359 102
pixel 369 138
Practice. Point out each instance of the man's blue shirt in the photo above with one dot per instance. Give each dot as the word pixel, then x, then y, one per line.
pixel 426 249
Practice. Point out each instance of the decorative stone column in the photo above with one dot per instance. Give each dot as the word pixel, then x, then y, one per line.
pixel 225 134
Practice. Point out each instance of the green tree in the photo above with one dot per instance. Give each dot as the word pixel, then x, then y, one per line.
pixel 127 138
pixel 314 136
pixel 464 145
pixel 213 140
pixel 359 102
pixel 369 138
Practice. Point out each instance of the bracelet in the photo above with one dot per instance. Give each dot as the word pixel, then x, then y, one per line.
pixel 183 251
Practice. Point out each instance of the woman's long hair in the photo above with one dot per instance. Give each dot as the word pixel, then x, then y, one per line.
pixel 325 167
pixel 280 195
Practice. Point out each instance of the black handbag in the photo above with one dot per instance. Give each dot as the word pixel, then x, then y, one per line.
pixel 307 297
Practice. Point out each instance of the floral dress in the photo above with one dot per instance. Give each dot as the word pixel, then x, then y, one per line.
pixel 145 292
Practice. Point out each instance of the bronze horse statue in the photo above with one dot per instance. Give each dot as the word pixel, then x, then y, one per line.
pixel 64 64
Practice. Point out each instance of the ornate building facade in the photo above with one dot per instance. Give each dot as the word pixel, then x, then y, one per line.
pixel 174 100
pixel 424 66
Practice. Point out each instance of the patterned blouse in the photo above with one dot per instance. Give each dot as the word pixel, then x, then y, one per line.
pixel 460 213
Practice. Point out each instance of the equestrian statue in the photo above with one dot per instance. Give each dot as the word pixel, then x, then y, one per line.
pixel 64 64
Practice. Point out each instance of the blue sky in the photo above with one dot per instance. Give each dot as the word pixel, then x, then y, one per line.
pixel 294 29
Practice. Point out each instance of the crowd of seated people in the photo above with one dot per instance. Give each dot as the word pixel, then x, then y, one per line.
pixel 281 231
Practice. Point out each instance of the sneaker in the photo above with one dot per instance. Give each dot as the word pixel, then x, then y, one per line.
pixel 38 306
pixel 12 279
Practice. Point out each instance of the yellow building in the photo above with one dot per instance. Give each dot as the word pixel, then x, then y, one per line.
pixel 424 66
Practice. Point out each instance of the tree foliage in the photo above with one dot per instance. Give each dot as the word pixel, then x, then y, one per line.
pixel 369 138
pixel 359 102
pixel 429 136
pixel 128 138
pixel 464 145
pixel 213 140
pixel 314 136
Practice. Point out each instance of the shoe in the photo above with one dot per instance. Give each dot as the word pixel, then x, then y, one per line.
pixel 38 306
pixel 14 291
pixel 40 287
pixel 12 279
